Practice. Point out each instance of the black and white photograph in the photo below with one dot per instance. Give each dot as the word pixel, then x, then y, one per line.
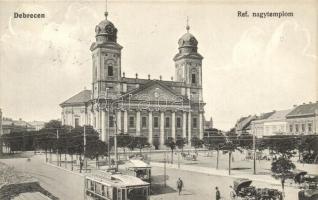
pixel 159 100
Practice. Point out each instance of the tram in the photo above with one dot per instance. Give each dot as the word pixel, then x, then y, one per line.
pixel 137 168
pixel 115 186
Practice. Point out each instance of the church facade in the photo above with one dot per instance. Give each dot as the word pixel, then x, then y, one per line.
pixel 156 109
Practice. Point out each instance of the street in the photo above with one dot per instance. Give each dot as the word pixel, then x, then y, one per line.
pixel 69 185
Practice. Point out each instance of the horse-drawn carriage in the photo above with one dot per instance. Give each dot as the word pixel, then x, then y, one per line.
pixel 244 191
pixel 310 191
pixel 189 156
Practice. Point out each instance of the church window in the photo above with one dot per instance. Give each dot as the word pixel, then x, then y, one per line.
pixel 144 122
pixel 111 121
pixel 110 70
pixel 291 128
pixel 193 79
pixel 76 122
pixel 296 127
pixel 303 127
pixel 178 122
pixel 131 122
pixel 156 122
pixel 194 123
pixel 167 122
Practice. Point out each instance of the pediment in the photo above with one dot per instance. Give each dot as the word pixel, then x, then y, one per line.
pixel 153 91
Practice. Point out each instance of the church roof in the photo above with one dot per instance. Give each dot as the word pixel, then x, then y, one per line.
pixel 80 98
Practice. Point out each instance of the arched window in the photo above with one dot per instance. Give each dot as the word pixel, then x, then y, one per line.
pixel 193 79
pixel 110 70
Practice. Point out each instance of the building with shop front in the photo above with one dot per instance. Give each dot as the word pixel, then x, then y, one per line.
pixel 156 109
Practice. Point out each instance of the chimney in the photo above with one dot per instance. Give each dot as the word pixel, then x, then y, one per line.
pixel 148 76
pixel 123 74
pixel 303 103
pixel 160 77
pixel 171 78
pixel 136 75
pixel 295 106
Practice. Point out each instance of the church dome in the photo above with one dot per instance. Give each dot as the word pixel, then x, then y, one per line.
pixel 106 30
pixel 188 40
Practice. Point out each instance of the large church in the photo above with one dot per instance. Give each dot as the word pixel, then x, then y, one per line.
pixel 156 109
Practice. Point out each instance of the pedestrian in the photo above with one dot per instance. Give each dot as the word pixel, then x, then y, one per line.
pixel 81 165
pixel 217 194
pixel 179 185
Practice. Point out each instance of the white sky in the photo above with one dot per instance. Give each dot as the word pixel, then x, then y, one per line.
pixel 250 65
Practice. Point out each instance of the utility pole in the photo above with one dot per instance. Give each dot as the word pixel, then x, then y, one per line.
pixel 57 147
pixel 254 149
pixel 85 161
pixel 165 169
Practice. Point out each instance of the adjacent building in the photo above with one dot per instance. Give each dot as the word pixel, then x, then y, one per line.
pixel 303 119
pixel 243 125
pixel 152 108
pixel 9 125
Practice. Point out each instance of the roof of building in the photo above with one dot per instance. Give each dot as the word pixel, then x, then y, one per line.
pixel 244 122
pixel 266 115
pixel 31 196
pixel 279 115
pixel 134 163
pixel 304 109
pixel 80 98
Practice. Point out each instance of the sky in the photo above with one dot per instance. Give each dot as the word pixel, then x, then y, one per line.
pixel 250 66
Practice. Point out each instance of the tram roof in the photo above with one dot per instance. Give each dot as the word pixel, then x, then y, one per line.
pixel 117 179
pixel 137 164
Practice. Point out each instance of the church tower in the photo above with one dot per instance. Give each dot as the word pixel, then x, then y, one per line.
pixel 106 57
pixel 188 65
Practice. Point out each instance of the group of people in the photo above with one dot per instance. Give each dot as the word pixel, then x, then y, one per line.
pixel 180 185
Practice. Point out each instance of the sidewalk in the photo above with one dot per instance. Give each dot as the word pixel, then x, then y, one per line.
pixel 220 172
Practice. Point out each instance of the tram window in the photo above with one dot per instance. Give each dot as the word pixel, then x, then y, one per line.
pixel 123 192
pixel 103 190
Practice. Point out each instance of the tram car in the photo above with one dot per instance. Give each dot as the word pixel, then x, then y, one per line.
pixel 137 168
pixel 244 191
pixel 115 186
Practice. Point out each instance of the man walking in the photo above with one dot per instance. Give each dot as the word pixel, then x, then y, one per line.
pixel 217 194
pixel 179 185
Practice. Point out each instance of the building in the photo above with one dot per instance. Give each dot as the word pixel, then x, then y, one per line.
pixel 208 124
pixel 155 109
pixel 37 124
pixel 303 119
pixel 9 125
pixel 243 125
pixel 271 123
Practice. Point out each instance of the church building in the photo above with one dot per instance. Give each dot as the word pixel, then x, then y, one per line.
pixel 156 109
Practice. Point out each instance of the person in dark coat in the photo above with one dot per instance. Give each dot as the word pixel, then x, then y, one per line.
pixel 179 185
pixel 217 193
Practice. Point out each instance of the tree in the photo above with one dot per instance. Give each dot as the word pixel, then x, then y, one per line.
pixel 123 141
pixel 140 142
pixel 172 145
pixel 230 146
pixel 245 141
pixel 215 142
pixel 196 142
pixel 181 142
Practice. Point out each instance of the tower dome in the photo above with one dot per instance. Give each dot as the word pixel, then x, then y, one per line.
pixel 105 31
pixel 188 40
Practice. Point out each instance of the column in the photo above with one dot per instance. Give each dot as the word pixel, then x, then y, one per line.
pixel 91 118
pixel 118 122
pixel 125 122
pixel 138 123
pixel 150 127
pixel 173 126
pixel 162 129
pixel 98 122
pixel 103 125
pixel 201 125
pixel 189 128
pixel 184 125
